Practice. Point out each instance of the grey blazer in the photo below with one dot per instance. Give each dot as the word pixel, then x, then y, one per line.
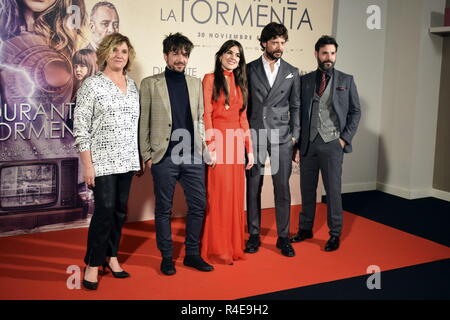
pixel 155 123
pixel 277 107
pixel 345 101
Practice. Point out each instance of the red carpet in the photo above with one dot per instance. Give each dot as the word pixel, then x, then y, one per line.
pixel 34 266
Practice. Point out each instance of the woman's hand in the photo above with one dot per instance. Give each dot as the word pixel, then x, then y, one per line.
pixel 148 164
pixel 250 161
pixel 213 159
pixel 296 156
pixel 144 166
pixel 89 176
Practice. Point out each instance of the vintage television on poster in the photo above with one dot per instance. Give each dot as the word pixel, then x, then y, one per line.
pixel 36 193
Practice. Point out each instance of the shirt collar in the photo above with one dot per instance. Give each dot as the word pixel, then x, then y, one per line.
pixel 102 74
pixel 266 63
pixel 329 72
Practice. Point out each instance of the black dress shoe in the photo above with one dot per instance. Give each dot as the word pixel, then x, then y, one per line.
pixel 120 274
pixel 167 266
pixel 195 261
pixel 88 284
pixel 285 246
pixel 302 235
pixel 253 243
pixel 332 244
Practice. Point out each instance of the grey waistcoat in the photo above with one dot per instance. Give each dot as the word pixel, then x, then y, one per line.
pixel 323 117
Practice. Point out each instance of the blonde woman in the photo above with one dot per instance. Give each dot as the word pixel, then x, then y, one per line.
pixel 105 129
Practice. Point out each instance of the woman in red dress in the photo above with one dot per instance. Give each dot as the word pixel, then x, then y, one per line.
pixel 228 137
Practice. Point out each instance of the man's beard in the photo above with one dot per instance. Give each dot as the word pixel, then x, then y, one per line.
pixel 271 55
pixel 175 67
pixel 325 67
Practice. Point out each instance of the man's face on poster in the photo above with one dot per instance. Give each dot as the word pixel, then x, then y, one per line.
pixel 104 21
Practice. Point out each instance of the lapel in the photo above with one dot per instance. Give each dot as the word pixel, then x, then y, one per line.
pixel 311 91
pixel 336 79
pixel 192 96
pixel 261 74
pixel 161 86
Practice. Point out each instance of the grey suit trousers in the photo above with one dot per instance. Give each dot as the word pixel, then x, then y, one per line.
pixel 281 168
pixel 326 157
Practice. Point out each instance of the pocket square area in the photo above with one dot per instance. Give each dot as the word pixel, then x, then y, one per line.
pixel 290 75
pixel 341 88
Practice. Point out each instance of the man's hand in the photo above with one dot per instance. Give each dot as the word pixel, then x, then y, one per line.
pixel 293 141
pixel 342 142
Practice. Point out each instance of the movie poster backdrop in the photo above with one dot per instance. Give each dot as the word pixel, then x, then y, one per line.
pixel 47 49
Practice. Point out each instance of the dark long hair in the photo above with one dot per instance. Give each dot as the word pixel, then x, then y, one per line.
pixel 240 74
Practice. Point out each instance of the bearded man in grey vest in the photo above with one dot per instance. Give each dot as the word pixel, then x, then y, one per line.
pixel 329 116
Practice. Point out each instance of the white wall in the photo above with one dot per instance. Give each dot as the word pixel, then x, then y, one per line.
pixel 410 99
pixel 361 53
pixel 397 72
pixel 429 76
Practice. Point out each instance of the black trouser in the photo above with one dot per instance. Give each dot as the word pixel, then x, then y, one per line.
pixel 192 178
pixel 326 157
pixel 281 167
pixel 110 196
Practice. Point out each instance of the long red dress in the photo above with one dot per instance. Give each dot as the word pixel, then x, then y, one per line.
pixel 227 132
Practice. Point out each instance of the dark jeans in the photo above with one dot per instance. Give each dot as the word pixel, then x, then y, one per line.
pixel 110 196
pixel 192 178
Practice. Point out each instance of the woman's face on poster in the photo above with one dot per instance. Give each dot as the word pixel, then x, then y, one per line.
pixel 57 73
pixel 80 71
pixel 38 5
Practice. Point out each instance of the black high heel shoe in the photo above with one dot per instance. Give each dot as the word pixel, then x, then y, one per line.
pixel 88 284
pixel 120 274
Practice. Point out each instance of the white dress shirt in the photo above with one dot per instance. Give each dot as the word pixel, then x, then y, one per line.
pixel 271 76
